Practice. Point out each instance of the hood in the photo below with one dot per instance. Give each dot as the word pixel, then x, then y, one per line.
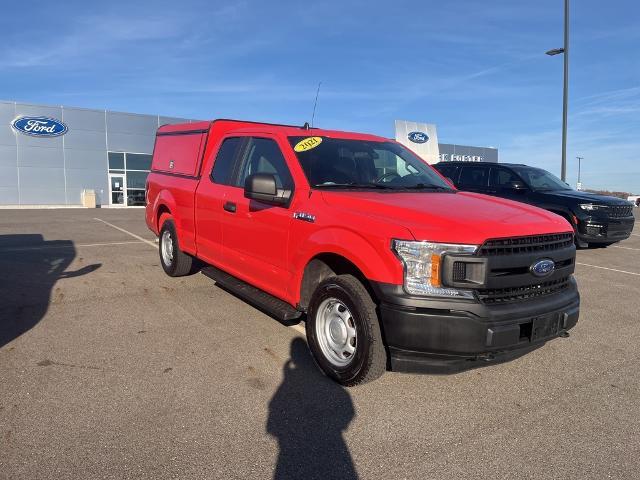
pixel 461 217
pixel 586 197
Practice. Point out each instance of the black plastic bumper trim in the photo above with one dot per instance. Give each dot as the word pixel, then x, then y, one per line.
pixel 446 336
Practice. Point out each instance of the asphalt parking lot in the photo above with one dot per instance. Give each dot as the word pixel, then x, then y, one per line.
pixel 110 369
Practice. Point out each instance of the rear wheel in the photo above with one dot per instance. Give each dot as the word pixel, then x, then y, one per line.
pixel 175 263
pixel 343 331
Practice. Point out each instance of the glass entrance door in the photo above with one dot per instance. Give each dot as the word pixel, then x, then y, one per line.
pixel 117 191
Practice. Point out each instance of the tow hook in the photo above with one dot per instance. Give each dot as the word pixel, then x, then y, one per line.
pixel 563 334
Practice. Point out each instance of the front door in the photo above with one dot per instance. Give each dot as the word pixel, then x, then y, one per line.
pixel 117 191
pixel 256 234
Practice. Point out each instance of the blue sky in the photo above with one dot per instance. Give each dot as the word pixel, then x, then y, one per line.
pixel 476 69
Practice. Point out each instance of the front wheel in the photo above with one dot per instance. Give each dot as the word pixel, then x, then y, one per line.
pixel 343 331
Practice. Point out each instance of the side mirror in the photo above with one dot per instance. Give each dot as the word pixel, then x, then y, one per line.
pixel 262 187
pixel 517 186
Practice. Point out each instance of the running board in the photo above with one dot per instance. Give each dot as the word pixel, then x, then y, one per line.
pixel 260 299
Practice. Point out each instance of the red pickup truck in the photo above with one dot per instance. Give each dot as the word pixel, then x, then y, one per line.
pixel 389 265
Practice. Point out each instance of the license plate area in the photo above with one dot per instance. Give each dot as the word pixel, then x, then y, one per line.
pixel 545 326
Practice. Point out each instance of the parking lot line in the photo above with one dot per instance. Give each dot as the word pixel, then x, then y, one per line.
pixel 127 232
pixel 626 248
pixel 71 245
pixel 298 328
pixel 607 268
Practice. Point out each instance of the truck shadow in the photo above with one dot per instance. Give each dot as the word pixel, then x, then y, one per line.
pixel 31 266
pixel 307 415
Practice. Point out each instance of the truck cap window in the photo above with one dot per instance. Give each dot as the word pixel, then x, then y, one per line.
pixel 345 163
pixel 539 179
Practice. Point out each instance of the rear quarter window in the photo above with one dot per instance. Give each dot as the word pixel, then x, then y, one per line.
pixel 225 159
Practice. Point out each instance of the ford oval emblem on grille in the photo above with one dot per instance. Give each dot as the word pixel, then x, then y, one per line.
pixel 543 267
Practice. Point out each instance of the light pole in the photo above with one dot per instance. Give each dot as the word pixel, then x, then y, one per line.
pixel 565 90
pixel 579 185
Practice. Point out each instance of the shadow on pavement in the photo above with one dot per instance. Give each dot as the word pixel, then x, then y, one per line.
pixel 29 268
pixel 307 415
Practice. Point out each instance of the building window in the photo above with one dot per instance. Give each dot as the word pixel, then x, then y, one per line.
pixel 116 161
pixel 134 167
pixel 138 161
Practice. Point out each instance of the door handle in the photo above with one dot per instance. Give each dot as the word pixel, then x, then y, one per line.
pixel 229 207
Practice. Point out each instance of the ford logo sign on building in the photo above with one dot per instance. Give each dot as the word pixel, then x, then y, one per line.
pixel 418 137
pixel 39 126
pixel 543 267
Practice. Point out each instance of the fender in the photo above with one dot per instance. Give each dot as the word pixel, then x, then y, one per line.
pixel 373 258
pixel 165 198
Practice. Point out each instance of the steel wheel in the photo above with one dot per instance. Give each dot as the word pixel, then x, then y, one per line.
pixel 336 332
pixel 166 247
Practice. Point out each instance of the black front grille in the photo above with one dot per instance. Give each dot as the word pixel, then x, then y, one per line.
pixel 516 245
pixel 619 211
pixel 516 294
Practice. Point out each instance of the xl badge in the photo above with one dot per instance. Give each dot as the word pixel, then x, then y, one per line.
pixel 543 267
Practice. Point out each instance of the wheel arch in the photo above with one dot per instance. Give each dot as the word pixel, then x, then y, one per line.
pixel 567 214
pixel 162 208
pixel 325 265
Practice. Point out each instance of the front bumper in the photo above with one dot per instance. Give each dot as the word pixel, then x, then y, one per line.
pixel 594 229
pixel 448 336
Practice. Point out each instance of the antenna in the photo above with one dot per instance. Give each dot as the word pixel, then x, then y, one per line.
pixel 313 116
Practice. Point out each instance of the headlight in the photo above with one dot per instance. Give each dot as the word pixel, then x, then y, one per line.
pixel 422 262
pixel 590 206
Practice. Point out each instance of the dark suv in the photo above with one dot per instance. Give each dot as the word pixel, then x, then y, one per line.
pixel 597 220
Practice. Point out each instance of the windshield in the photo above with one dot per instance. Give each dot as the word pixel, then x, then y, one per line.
pixel 339 163
pixel 539 179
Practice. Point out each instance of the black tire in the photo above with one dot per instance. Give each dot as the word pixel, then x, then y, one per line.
pixel 600 244
pixel 370 358
pixel 181 263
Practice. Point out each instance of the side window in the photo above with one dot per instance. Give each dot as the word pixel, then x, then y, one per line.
pixel 449 171
pixel 263 155
pixel 473 176
pixel 501 178
pixel 223 165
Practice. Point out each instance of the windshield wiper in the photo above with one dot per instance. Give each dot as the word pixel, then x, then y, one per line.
pixel 422 186
pixel 377 186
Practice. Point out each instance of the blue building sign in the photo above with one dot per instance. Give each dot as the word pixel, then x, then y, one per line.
pixel 39 126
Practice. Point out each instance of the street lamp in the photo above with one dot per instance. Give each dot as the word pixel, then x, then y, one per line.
pixel 565 90
pixel 579 185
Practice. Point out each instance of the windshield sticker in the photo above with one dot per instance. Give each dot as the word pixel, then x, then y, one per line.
pixel 307 144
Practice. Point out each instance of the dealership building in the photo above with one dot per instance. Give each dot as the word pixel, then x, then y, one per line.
pixel 59 156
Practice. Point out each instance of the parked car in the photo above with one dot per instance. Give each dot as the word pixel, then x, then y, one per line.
pixel 389 265
pixel 597 220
